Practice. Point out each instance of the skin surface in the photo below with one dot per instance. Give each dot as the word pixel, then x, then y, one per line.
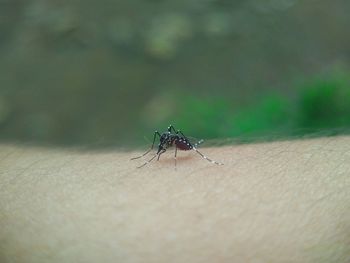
pixel 271 202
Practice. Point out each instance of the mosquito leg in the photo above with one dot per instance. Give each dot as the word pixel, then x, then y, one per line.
pixel 171 127
pixel 148 161
pixel 175 156
pixel 154 139
pixel 134 158
pixel 198 143
pixel 191 145
pixel 178 131
pixel 163 151
pixel 205 157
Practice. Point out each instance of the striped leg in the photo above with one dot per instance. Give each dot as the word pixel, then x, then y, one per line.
pixel 175 156
pixel 205 157
pixel 162 151
pixel 198 143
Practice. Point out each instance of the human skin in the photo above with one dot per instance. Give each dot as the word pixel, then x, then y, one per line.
pixel 285 201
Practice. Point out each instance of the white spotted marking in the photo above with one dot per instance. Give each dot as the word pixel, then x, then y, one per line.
pixel 167 139
pixel 205 157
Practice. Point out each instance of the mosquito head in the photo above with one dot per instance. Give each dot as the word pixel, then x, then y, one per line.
pixel 160 148
pixel 163 142
pixel 168 139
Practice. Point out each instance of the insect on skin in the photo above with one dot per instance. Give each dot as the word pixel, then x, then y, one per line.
pixel 175 138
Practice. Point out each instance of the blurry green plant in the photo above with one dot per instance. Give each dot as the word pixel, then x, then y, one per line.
pixel 321 104
pixel 324 104
pixel 271 114
pixel 201 117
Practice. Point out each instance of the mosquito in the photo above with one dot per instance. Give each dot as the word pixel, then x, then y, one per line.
pixel 176 138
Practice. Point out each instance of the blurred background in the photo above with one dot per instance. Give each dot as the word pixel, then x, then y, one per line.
pixel 101 73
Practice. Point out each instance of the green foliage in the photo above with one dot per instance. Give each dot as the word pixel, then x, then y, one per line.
pixel 324 104
pixel 219 117
pixel 320 104
pixel 203 117
pixel 270 114
pixel 111 72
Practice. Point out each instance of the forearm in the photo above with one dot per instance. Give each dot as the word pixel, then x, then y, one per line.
pixel 273 202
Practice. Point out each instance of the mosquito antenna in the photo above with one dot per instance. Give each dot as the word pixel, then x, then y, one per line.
pixel 205 157
pixel 175 138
